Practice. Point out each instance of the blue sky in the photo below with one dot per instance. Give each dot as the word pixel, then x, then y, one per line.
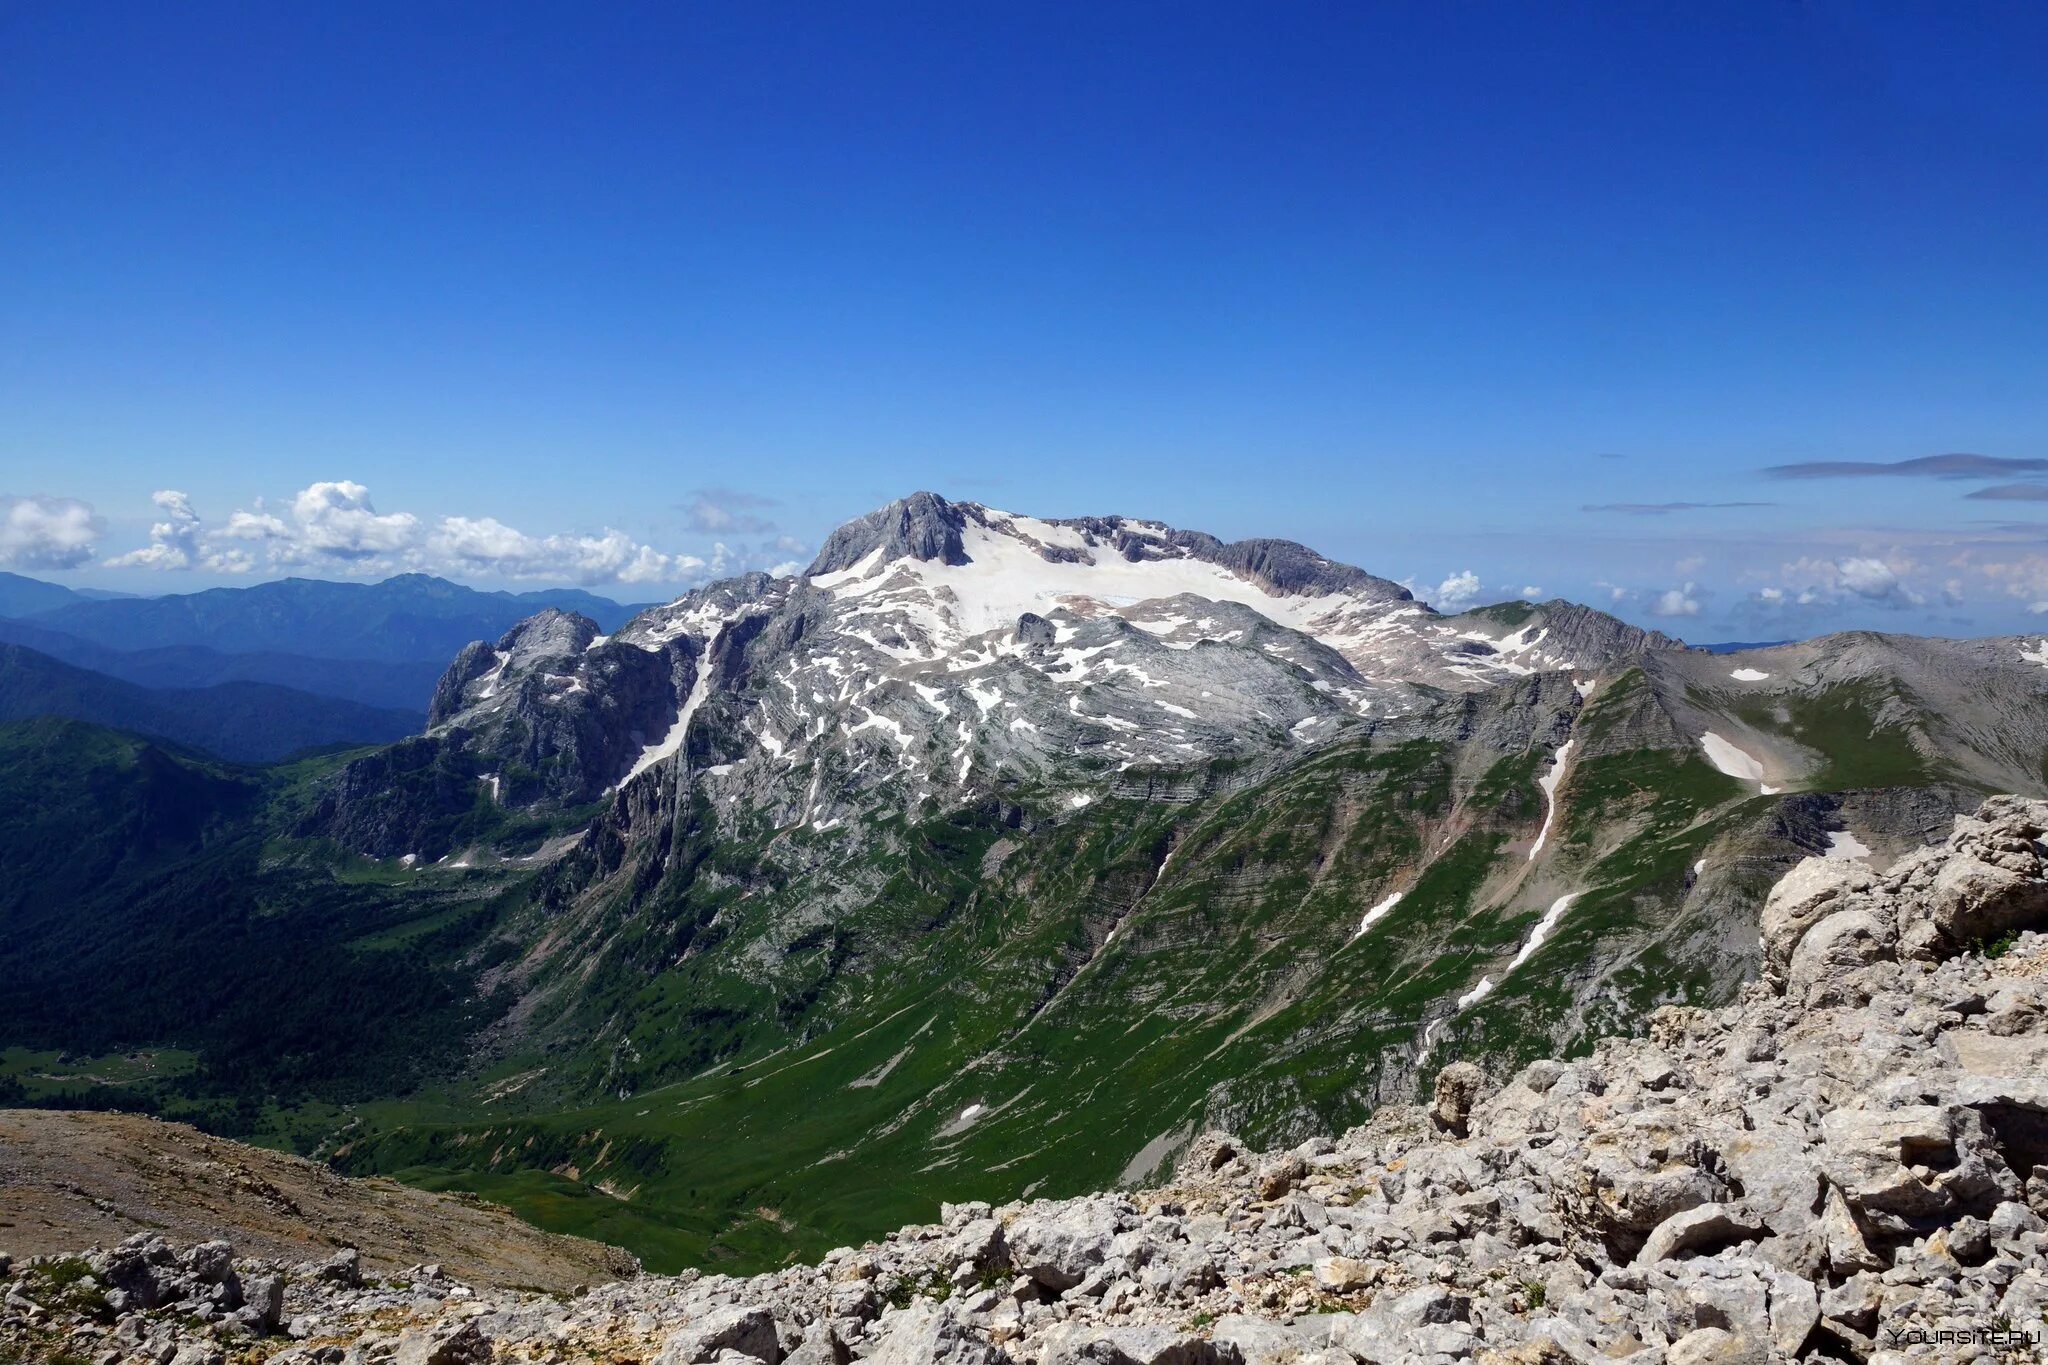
pixel 525 293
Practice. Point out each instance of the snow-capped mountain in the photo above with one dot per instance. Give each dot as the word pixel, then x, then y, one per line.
pixel 936 647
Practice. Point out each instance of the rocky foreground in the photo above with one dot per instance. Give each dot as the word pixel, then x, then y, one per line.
pixel 1850 1164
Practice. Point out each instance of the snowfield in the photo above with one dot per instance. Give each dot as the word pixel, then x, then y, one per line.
pixel 1735 762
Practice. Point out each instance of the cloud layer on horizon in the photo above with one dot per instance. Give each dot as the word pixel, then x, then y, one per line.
pixel 1955 466
pixel 1660 509
pixel 334 525
pixel 2011 492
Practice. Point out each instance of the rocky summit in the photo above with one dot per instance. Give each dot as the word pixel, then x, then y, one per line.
pixel 1850 1162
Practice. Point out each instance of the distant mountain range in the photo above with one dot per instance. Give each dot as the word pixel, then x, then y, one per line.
pixel 21 596
pixel 379 646
pixel 409 617
pixel 246 722
pixel 398 685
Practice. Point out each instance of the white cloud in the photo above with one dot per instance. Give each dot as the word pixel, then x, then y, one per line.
pixel 334 525
pixel 1870 578
pixel 171 541
pixel 47 533
pixel 1456 592
pixel 1677 602
pixel 336 519
pixel 176 542
pixel 2024 577
pixel 487 544
pixel 1814 582
pixel 1532 592
pixel 335 522
pixel 257 525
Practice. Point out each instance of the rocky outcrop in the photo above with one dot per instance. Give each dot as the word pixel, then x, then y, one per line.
pixel 1849 1164
pixel 1989 878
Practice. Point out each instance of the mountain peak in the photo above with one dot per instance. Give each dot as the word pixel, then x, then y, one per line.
pixel 921 526
pixel 929 528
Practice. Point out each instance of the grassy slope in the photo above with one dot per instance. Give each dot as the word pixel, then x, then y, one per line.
pixel 1232 991
pixel 146 907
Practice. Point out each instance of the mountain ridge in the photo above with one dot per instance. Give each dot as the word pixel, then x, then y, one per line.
pixel 247 722
pixel 407 616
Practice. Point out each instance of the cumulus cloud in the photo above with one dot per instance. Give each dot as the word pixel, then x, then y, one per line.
pixel 334 525
pixel 180 541
pixel 47 533
pixel 1674 602
pixel 1957 466
pixel 174 541
pixel 2024 576
pixel 1813 582
pixel 1532 592
pixel 1457 592
pixel 1664 509
pixel 488 545
pixel 1872 579
pixel 257 525
pixel 726 511
pixel 337 520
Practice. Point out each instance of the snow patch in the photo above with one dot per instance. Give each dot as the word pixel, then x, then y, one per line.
pixel 1844 846
pixel 487 685
pixel 671 743
pixel 1376 914
pixel 1734 762
pixel 1542 931
pixel 1748 675
pixel 1548 782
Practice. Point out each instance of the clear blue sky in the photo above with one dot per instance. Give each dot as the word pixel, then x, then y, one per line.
pixel 1416 284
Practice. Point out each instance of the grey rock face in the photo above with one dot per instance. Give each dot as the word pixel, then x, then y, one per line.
pixel 749 1330
pixel 921 526
pixel 1457 1088
pixel 939 650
